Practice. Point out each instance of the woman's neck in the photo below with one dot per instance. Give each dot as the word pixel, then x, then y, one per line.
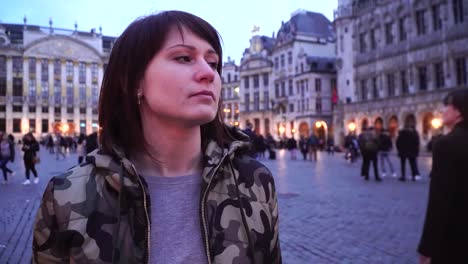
pixel 170 151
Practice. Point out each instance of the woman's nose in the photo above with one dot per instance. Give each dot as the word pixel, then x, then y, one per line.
pixel 205 73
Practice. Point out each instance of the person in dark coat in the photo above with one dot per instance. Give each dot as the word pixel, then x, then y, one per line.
pixel 369 145
pixel 30 147
pixel 292 147
pixel 445 234
pixel 407 144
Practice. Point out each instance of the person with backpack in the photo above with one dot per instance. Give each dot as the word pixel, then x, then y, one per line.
pixel 30 158
pixel 6 155
pixel 369 145
pixel 385 147
pixel 408 149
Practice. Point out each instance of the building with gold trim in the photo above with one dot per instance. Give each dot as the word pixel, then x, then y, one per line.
pixel 50 78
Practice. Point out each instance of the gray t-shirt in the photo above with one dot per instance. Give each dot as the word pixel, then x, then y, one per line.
pixel 175 221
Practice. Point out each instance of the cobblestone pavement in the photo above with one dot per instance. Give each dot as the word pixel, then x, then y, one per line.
pixel 328 214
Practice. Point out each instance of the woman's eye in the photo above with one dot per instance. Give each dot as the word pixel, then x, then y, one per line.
pixel 213 65
pixel 183 59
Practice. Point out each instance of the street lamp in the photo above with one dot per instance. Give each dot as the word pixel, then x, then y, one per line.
pixel 352 126
pixel 436 123
pixel 282 129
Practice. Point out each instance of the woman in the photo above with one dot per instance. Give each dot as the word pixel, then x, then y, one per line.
pixel 30 147
pixel 445 233
pixel 169 183
pixel 7 153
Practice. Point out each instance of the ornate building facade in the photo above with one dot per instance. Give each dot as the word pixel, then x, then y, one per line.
pixel 286 81
pixel 50 78
pixel 397 60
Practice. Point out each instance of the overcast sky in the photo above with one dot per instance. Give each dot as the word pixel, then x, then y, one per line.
pixel 233 19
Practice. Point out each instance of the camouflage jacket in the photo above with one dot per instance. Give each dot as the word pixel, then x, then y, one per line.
pixel 99 212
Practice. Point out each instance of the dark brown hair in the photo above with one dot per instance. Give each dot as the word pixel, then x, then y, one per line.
pixel 119 116
pixel 458 98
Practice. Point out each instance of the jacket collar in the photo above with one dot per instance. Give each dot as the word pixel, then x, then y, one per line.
pixel 119 163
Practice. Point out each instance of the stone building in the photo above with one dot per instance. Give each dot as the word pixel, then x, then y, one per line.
pixel 50 78
pixel 287 80
pixel 397 60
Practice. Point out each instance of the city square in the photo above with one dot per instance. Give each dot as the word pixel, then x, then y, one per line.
pixel 328 213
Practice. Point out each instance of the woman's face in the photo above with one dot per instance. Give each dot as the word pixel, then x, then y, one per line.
pixel 450 115
pixel 181 84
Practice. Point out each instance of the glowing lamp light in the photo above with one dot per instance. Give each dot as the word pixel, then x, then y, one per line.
pixel 236 90
pixel 436 123
pixel 293 130
pixel 236 123
pixel 318 124
pixel 65 128
pixel 352 126
pixel 282 129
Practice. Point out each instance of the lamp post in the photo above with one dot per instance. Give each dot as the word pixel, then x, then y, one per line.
pixel 352 127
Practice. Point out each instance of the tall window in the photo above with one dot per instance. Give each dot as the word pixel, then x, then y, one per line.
pixel 375 88
pixel 388 33
pixel 69 68
pixel 17 65
pixel 94 94
pixel 94 72
pixel 439 75
pixel 276 63
pixel 57 92
pixel 318 104
pixel 362 42
pixel 457 11
pixel 404 83
pixel 246 82
pixel 32 91
pixel 289 57
pixel 3 74
pixel 402 29
pixel 277 94
pixel 82 72
pixel 420 22
pixel 45 125
pixel 363 90
pixel 436 19
pixel 391 84
pixel 373 41
pixel 265 79
pixel 44 70
pixel 32 66
pixel 45 91
pixel 57 67
pixel 282 60
pixel 422 77
pixel 256 101
pixel 82 91
pixel 247 102
pixel 70 96
pixel 18 86
pixel 460 65
pixel 266 100
pixel 290 87
pixel 318 85
pixel 283 88
pixel 256 81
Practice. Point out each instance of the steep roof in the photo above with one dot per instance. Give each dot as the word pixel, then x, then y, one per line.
pixel 306 23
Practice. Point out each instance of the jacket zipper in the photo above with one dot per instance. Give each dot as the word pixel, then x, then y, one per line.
pixel 148 233
pixel 205 226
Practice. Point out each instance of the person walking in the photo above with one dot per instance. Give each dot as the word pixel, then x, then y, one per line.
pixel 167 184
pixel 445 233
pixel 7 154
pixel 385 146
pixel 292 147
pixel 303 147
pixel 81 148
pixel 59 146
pixel 330 146
pixel 369 145
pixel 408 149
pixel 30 148
pixel 313 145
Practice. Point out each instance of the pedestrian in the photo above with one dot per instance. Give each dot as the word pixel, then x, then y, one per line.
pixel 260 146
pixel 369 145
pixel 445 233
pixel 30 148
pixel 59 146
pixel 168 184
pixel 292 147
pixel 81 147
pixel 408 149
pixel 91 142
pixel 7 153
pixel 252 138
pixel 303 147
pixel 313 145
pixel 385 146
pixel 331 146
